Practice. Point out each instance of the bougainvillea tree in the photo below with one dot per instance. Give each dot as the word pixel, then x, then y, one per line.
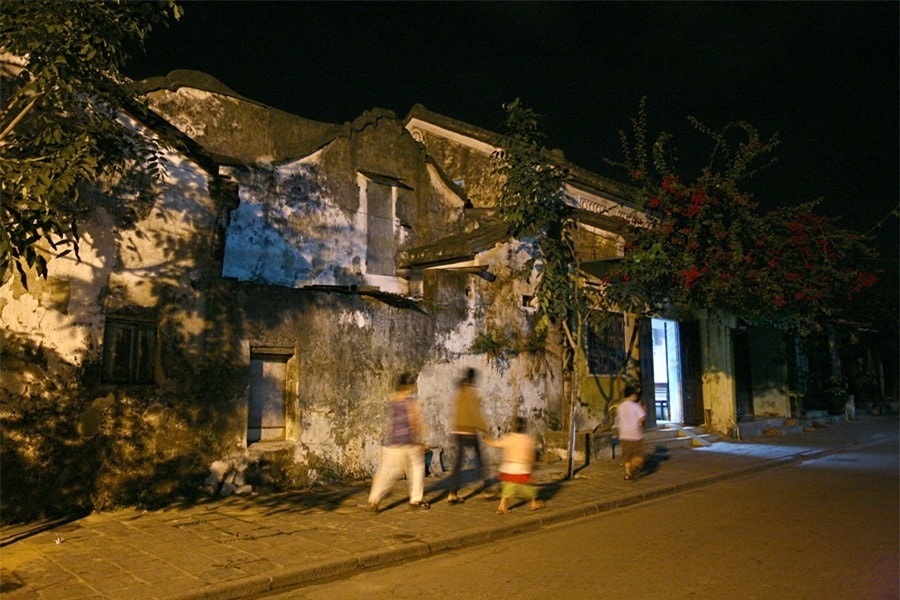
pixel 703 243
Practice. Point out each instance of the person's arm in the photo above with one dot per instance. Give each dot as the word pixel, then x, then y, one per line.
pixel 498 443
pixel 416 421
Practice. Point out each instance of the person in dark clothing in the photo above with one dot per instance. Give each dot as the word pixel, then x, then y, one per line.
pixel 467 422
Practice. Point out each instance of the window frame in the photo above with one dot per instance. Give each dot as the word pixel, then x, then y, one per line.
pixel 142 346
pixel 605 345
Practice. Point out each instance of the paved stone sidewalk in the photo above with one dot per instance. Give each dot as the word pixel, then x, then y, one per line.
pixel 243 546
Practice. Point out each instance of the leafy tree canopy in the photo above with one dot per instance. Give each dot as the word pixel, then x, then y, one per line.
pixel 62 92
pixel 533 204
pixel 703 243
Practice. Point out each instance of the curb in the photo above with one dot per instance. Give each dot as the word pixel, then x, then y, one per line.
pixel 288 579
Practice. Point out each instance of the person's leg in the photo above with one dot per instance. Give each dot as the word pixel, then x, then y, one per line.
pixel 415 472
pixel 507 489
pixel 458 443
pixel 637 461
pixel 530 492
pixel 384 476
pixel 628 454
pixel 479 464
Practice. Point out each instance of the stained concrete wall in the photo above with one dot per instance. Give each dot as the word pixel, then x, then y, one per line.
pixel 70 439
pixel 264 255
pixel 769 373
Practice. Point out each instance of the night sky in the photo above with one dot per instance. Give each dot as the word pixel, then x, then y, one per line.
pixel 824 76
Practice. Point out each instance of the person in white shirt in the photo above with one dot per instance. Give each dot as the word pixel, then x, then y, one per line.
pixel 630 423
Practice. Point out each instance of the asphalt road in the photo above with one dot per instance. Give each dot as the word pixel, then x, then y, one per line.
pixel 823 529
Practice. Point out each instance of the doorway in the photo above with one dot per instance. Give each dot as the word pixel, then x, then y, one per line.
pixel 667 371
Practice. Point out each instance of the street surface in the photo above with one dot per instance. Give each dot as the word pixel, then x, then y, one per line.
pixel 823 529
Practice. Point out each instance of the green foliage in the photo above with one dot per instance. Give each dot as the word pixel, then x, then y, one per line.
pixel 504 344
pixel 63 90
pixel 532 202
pixel 704 244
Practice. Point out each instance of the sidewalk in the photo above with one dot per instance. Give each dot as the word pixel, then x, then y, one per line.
pixel 241 546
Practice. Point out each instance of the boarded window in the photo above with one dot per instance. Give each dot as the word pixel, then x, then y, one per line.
pixel 380 226
pixel 606 346
pixel 265 419
pixel 129 351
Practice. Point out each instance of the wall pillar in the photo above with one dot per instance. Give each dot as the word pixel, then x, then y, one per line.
pixel 718 372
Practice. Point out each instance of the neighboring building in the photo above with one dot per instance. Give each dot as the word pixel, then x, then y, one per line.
pixel 246 316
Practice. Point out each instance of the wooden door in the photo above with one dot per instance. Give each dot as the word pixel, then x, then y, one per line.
pixel 691 373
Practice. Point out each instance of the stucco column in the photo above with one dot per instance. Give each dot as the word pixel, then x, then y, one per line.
pixel 718 372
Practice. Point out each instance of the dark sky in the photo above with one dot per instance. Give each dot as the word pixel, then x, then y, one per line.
pixel 823 75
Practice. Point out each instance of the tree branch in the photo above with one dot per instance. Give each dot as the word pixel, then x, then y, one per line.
pixel 19 118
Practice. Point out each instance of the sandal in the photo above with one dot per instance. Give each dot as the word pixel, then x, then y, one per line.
pixel 422 505
pixel 457 500
pixel 537 505
pixel 502 511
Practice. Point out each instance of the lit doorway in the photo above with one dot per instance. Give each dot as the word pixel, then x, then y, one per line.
pixel 667 371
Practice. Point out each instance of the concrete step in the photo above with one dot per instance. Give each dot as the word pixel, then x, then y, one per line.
pixel 779 426
pixel 679 436
pixel 604 445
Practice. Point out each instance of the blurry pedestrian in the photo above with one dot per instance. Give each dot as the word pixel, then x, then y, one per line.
pixel 630 422
pixel 517 466
pixel 467 422
pixel 403 452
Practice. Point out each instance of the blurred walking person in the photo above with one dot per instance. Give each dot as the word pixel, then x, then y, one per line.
pixel 630 422
pixel 404 451
pixel 517 466
pixel 467 422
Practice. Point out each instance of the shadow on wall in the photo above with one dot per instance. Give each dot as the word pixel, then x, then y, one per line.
pixel 286 231
pixel 73 443
pixel 68 450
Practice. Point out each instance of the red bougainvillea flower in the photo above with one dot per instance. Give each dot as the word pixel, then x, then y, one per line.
pixel 669 183
pixel 779 300
pixel 690 276
pixel 654 202
pixel 863 280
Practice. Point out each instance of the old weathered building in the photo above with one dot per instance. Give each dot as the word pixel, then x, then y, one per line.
pixel 240 322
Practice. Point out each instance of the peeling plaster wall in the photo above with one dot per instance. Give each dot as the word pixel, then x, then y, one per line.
pixel 287 231
pixel 349 349
pixel 517 383
pixel 473 167
pixel 149 250
pixel 300 224
pixel 120 267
